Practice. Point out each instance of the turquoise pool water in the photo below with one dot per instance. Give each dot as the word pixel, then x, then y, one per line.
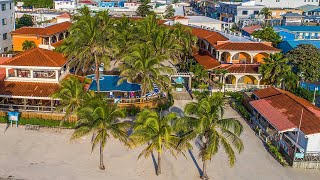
pixel 108 83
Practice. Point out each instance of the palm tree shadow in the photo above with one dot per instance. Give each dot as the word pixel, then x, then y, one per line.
pixel 195 162
pixel 154 162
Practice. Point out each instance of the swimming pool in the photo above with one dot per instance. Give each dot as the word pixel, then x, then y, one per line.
pixel 108 83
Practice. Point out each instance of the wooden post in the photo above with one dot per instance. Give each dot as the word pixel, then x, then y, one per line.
pixel 25 104
pixel 51 105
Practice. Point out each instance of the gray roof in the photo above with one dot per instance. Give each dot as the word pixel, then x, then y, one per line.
pixel 292 15
pixel 202 19
pixel 308 7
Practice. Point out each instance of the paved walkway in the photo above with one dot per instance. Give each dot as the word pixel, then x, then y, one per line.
pixel 48 154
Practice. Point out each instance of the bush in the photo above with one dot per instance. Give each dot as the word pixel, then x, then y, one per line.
pixel 276 154
pixel 304 93
pixel 41 122
pixel 241 109
pixel 237 96
pixel 133 111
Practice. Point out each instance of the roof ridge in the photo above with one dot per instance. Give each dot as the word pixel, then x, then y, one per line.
pixel 43 53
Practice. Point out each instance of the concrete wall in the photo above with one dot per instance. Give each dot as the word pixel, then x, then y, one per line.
pixel 313 142
pixel 8 15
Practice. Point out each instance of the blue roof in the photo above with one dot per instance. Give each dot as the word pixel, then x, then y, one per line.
pixel 300 28
pixel 286 46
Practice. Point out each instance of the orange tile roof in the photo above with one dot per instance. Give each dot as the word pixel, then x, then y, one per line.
pixel 242 68
pixel 178 17
pixel 206 60
pixel 57 44
pixel 31 89
pixel 211 36
pixel 251 29
pixel 37 57
pixel 3 70
pixel 291 107
pixel 64 15
pixel 246 46
pixel 43 31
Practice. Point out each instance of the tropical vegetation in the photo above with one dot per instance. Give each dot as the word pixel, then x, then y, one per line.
pixel 205 123
pixel 267 34
pixel 156 132
pixel 28 45
pixel 267 15
pixel 144 8
pixel 25 20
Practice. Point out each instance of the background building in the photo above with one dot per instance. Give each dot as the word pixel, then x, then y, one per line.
pixel 6 24
pixel 286 3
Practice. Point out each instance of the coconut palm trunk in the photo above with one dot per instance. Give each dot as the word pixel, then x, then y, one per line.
pixel 97 73
pixel 159 164
pixel 102 167
pixel 204 170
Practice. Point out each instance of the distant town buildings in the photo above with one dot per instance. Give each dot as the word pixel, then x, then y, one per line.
pixel 285 3
pixel 6 24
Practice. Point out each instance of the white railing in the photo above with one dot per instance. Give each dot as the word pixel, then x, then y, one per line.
pixel 28 108
pixel 240 87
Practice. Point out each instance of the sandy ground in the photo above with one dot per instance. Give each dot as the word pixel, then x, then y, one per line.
pixel 48 154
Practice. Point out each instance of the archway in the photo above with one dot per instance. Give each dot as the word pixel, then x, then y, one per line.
pixel 248 79
pixel 259 57
pixel 230 79
pixel 53 39
pixel 60 36
pixel 225 57
pixel 241 57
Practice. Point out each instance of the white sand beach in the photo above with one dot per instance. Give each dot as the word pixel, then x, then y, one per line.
pixel 49 155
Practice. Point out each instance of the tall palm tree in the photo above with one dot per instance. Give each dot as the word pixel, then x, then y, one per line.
pixel 144 8
pixel 88 45
pixel 267 14
pixel 143 66
pixel 71 95
pixel 164 42
pixel 102 119
pixel 156 132
pixel 205 122
pixel 274 69
pixel 28 45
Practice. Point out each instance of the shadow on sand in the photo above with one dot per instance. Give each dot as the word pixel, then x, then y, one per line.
pixel 154 163
pixel 177 110
pixel 195 162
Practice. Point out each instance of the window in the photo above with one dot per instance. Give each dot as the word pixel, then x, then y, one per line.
pixel 244 12
pixel 10 5
pixel 5 36
pixel 255 12
pixel 5 49
pixel 4 21
pixel 3 7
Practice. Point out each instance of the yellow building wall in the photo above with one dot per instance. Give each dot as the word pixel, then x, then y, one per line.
pixel 250 80
pixel 259 58
pixel 17 41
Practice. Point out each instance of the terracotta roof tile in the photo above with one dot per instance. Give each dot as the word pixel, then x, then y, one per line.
pixel 211 36
pixel 206 60
pixel 64 15
pixel 30 89
pixel 291 106
pixel 246 46
pixel 57 44
pixel 243 68
pixel 43 31
pixel 178 17
pixel 251 29
pixel 267 92
pixel 37 57
pixel 276 118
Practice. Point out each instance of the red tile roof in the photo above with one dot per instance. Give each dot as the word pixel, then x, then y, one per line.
pixel 246 46
pixel 206 60
pixel 271 114
pixel 57 44
pixel 242 68
pixel 64 15
pixel 291 106
pixel 211 36
pixel 3 70
pixel 268 92
pixel 43 31
pixel 251 29
pixel 30 89
pixel 37 57
pixel 87 2
pixel 178 17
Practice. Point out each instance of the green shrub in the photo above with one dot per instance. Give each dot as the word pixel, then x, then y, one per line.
pixel 41 122
pixel 304 93
pixel 274 150
pixel 241 109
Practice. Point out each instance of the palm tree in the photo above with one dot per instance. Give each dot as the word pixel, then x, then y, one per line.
pixel 274 69
pixel 88 45
pixel 144 8
pixel 267 14
pixel 143 66
pixel 71 95
pixel 28 45
pixel 205 122
pixel 102 119
pixel 156 131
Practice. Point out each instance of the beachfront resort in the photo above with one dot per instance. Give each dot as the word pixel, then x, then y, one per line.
pixel 155 96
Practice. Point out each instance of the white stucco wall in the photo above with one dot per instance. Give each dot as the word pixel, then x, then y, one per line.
pixel 286 3
pixel 8 16
pixel 313 142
